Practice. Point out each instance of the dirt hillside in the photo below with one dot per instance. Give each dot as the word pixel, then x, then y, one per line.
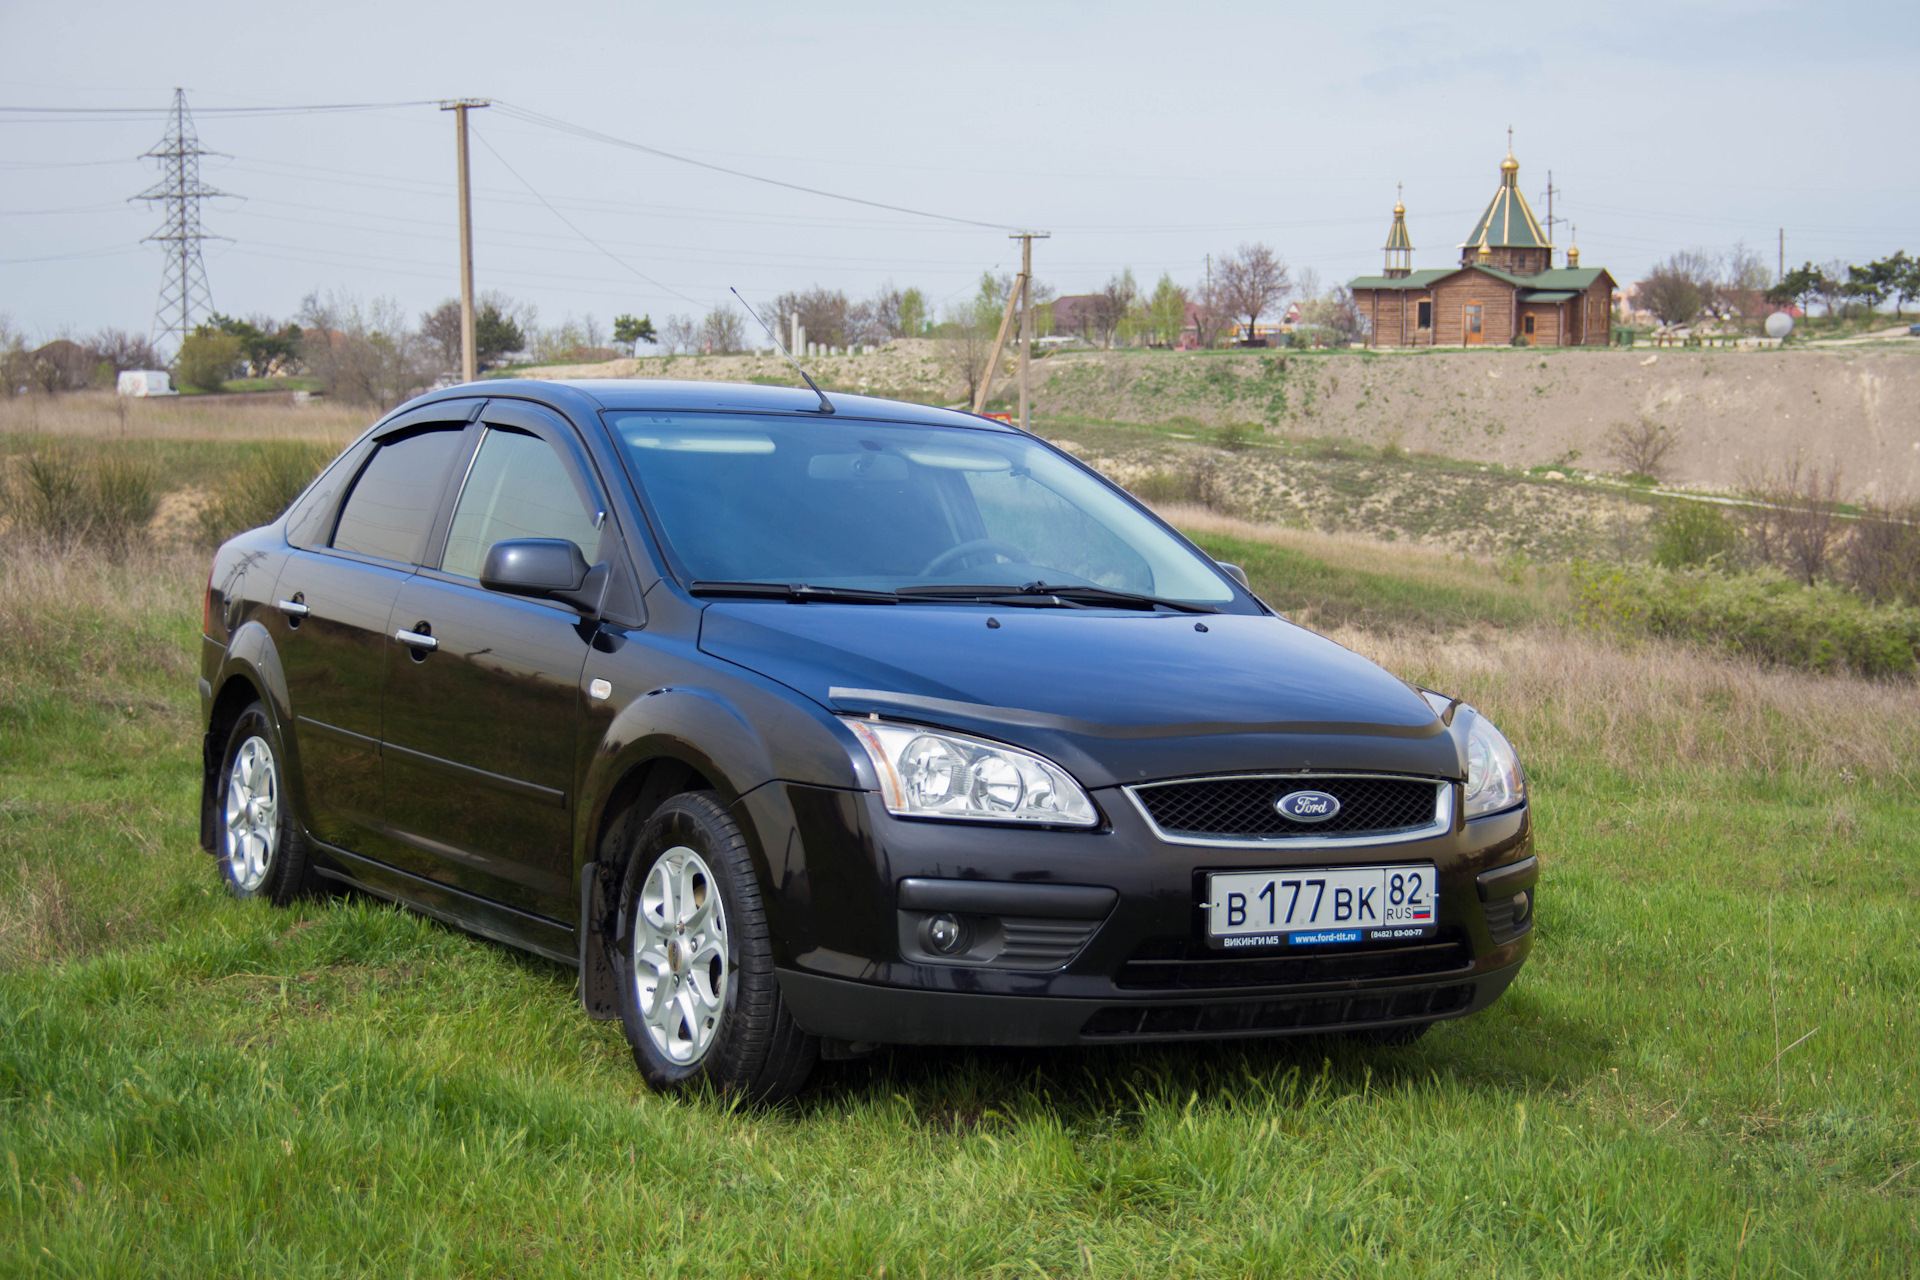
pixel 1733 411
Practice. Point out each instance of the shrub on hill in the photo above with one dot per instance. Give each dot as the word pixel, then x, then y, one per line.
pixel 1763 615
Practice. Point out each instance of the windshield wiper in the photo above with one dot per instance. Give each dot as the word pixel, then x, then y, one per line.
pixel 797 592
pixel 1053 593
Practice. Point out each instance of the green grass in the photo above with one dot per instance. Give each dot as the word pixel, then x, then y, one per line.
pixel 191 1086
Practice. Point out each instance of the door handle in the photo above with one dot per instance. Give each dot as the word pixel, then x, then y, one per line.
pixel 415 639
pixel 292 608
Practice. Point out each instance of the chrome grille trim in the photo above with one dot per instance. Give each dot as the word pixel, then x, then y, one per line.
pixel 1442 823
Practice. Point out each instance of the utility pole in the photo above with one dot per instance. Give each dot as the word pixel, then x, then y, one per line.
pixel 469 358
pixel 183 285
pixel 1551 192
pixel 1783 255
pixel 1026 239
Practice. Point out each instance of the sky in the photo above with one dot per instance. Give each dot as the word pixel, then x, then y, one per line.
pixel 1141 136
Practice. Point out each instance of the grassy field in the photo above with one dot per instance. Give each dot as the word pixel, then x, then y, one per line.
pixel 1708 1067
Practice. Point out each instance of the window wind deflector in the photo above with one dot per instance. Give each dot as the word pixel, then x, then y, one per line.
pixel 797 592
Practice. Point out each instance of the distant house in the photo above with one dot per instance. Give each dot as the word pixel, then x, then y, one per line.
pixel 1506 286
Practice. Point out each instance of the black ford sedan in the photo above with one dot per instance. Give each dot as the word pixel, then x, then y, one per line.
pixel 802 727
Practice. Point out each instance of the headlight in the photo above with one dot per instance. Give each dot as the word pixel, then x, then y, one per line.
pixel 924 774
pixel 1493 770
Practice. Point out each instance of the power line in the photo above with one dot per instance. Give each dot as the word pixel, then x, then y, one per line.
pixel 108 115
pixel 594 135
pixel 535 192
pixel 183 285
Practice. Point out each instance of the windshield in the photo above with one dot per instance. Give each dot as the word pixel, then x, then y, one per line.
pixel 891 507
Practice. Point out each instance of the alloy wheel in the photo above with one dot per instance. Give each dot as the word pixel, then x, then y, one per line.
pixel 680 956
pixel 252 813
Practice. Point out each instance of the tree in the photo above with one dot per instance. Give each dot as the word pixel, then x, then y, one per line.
pixel 1167 312
pixel 124 351
pixel 1251 283
pixel 915 319
pixel 721 333
pixel 631 333
pixel 207 358
pixel 363 353
pixel 1741 282
pixel 1906 283
pixel 1116 302
pixel 680 335
pixel 1799 286
pixel 497 330
pixel 1890 277
pixel 1679 289
pixel 497 333
pixel 966 344
pixel 822 312
pixel 265 346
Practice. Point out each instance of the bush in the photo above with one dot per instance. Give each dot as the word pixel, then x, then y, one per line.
pixel 106 501
pixel 1763 615
pixel 258 492
pixel 1199 480
pixel 1641 448
pixel 1882 560
pixel 207 360
pixel 1691 535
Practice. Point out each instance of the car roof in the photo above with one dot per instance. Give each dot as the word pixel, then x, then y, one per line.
pixel 736 397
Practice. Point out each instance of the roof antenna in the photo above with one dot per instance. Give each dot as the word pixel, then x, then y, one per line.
pixel 826 405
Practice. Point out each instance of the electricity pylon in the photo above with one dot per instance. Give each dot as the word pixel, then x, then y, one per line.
pixel 183 286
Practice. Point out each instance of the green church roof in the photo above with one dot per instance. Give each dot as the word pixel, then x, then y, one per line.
pixel 1508 223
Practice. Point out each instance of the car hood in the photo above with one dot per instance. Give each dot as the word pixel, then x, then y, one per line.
pixel 1116 696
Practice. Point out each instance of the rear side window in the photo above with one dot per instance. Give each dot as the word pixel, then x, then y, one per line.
pixel 391 508
pixel 517 488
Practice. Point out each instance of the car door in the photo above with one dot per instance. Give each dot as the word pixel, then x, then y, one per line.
pixel 481 728
pixel 333 599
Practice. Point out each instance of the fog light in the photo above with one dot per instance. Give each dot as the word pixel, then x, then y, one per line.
pixel 946 935
pixel 1522 907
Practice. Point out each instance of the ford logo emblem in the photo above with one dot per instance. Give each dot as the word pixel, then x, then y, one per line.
pixel 1307 806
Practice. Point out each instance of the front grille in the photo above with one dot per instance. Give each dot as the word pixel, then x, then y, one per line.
pixel 1309 1013
pixel 1243 807
pixel 1182 964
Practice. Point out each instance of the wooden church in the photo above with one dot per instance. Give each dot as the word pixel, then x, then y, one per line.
pixel 1506 286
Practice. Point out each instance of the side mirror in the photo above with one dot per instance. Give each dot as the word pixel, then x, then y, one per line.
pixel 545 569
pixel 1235 572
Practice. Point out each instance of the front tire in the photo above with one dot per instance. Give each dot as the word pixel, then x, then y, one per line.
pixel 698 995
pixel 262 851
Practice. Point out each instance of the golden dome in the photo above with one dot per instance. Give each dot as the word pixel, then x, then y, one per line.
pixel 1509 165
pixel 1399 210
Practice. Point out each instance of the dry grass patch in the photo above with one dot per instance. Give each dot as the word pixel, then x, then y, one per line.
pixel 244 416
pixel 1567 696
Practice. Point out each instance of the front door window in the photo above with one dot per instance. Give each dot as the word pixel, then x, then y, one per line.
pixel 1473 323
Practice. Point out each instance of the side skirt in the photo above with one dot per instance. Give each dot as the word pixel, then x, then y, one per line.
pixel 549 938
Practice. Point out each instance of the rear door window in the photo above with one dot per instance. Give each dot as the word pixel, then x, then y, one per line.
pixel 390 511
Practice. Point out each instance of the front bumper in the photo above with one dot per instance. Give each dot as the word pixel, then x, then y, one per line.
pixel 861 1013
pixel 842 913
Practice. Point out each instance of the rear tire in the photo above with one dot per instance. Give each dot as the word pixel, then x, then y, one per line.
pixel 698 994
pixel 262 851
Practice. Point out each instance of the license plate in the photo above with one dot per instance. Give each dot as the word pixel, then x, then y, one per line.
pixel 1321 907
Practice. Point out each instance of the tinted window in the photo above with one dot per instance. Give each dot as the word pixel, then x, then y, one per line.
pixel 517 488
pixel 893 506
pixel 391 507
